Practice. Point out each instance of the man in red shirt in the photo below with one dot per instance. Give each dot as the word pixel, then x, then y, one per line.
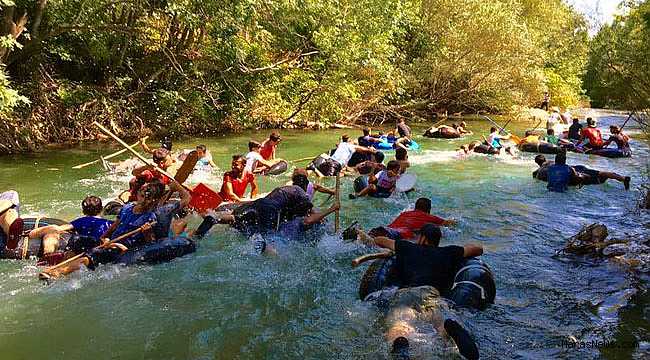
pixel 147 173
pixel 591 137
pixel 236 180
pixel 269 145
pixel 408 223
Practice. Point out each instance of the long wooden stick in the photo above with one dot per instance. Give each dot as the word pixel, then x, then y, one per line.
pixel 361 259
pixel 102 246
pixel 628 119
pixel 303 159
pixel 117 153
pixel 337 216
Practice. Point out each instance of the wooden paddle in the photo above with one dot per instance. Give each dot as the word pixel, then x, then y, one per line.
pixel 628 119
pixel 203 197
pixel 107 156
pixel 46 272
pixel 303 159
pixel 361 259
pixel 187 167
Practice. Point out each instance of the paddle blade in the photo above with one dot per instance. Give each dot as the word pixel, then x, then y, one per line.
pixel 188 165
pixel 204 198
pixel 516 139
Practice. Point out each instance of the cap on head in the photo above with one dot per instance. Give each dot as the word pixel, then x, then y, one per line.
pixel 431 234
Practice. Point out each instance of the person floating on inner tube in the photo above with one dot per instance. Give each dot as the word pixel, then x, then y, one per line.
pixel 134 215
pixel 333 165
pixel 255 163
pixel 560 175
pixel 11 224
pixel 462 129
pixel 409 223
pixel 147 173
pixel 404 134
pixel 574 131
pixel 236 181
pixel 443 131
pixel 586 175
pixel 267 150
pixel 622 140
pixel 425 263
pixel 590 137
pixel 381 185
pixel 89 229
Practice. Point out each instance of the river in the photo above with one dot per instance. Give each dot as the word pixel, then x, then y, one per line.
pixel 226 302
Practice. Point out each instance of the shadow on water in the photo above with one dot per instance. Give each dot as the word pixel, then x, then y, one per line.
pixel 226 302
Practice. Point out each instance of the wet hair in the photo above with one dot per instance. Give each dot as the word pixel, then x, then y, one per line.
pixel 345 138
pixel 201 147
pixel 560 158
pixel 160 154
pixel 493 129
pixel 153 190
pixel 540 159
pixel 431 233
pixel 366 131
pixel 423 204
pixel 576 120
pixel 550 132
pixel 614 129
pixel 393 165
pixel 300 180
pixel 400 154
pixel 253 144
pixel 590 121
pixel 275 136
pixel 238 157
pixel 91 206
pixel 300 171
pixel 529 133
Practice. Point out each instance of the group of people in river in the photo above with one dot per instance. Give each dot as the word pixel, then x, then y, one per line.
pixel 156 208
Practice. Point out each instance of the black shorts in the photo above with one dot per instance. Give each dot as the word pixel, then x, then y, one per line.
pixel 592 176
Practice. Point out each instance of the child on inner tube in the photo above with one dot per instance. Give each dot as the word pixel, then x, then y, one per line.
pixel 381 185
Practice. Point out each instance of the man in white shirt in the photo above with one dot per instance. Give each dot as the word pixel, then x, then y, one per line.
pixel 331 166
pixel 255 163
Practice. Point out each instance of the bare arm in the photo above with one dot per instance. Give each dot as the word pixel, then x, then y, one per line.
pixel 472 250
pixel 145 147
pixel 254 188
pixel 385 242
pixel 314 218
pixel 324 190
pixel 231 192
pixel 363 149
pixel 139 170
pixel 184 194
pixel 111 229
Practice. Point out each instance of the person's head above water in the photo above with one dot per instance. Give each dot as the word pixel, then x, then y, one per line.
pixel 150 193
pixel 401 154
pixel 550 132
pixel 576 121
pixel 540 160
pixel 254 145
pixel 238 163
pixel 430 235
pixel 162 158
pixel 275 137
pixel 614 129
pixel 345 138
pixel 300 179
pixel 591 122
pixel 201 150
pixel 393 167
pixel 560 158
pixel 366 131
pixel 423 204
pixel 91 206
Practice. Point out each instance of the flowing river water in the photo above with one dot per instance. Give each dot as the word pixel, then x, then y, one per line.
pixel 226 302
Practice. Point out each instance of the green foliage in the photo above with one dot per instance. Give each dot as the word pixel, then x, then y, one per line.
pixel 618 74
pixel 9 98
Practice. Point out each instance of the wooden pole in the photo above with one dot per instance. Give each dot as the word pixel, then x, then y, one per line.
pixel 117 153
pixel 337 216
pixel 361 259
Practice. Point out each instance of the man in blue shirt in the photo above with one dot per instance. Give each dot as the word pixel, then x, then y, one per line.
pixel 560 174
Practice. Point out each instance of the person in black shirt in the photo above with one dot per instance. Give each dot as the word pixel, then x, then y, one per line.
pixel 425 262
pixel 575 129
pixel 404 134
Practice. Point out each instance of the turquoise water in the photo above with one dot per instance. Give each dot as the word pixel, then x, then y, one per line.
pixel 225 302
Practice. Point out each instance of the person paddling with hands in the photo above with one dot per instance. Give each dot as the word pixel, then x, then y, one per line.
pixel 381 185
pixel 139 214
pixel 255 163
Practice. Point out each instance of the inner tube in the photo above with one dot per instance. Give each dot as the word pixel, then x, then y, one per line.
pixel 612 153
pixel 386 144
pixel 279 168
pixel 360 183
pixel 473 286
pixel 443 133
pixel 113 207
pixel 163 250
pixel 31 223
pixel 34 246
pixel 543 148
pixel 485 149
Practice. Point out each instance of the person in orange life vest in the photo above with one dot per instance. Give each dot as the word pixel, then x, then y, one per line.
pixel 236 181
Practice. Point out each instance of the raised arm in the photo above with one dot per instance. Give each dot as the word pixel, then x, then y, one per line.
pixel 324 190
pixel 184 194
